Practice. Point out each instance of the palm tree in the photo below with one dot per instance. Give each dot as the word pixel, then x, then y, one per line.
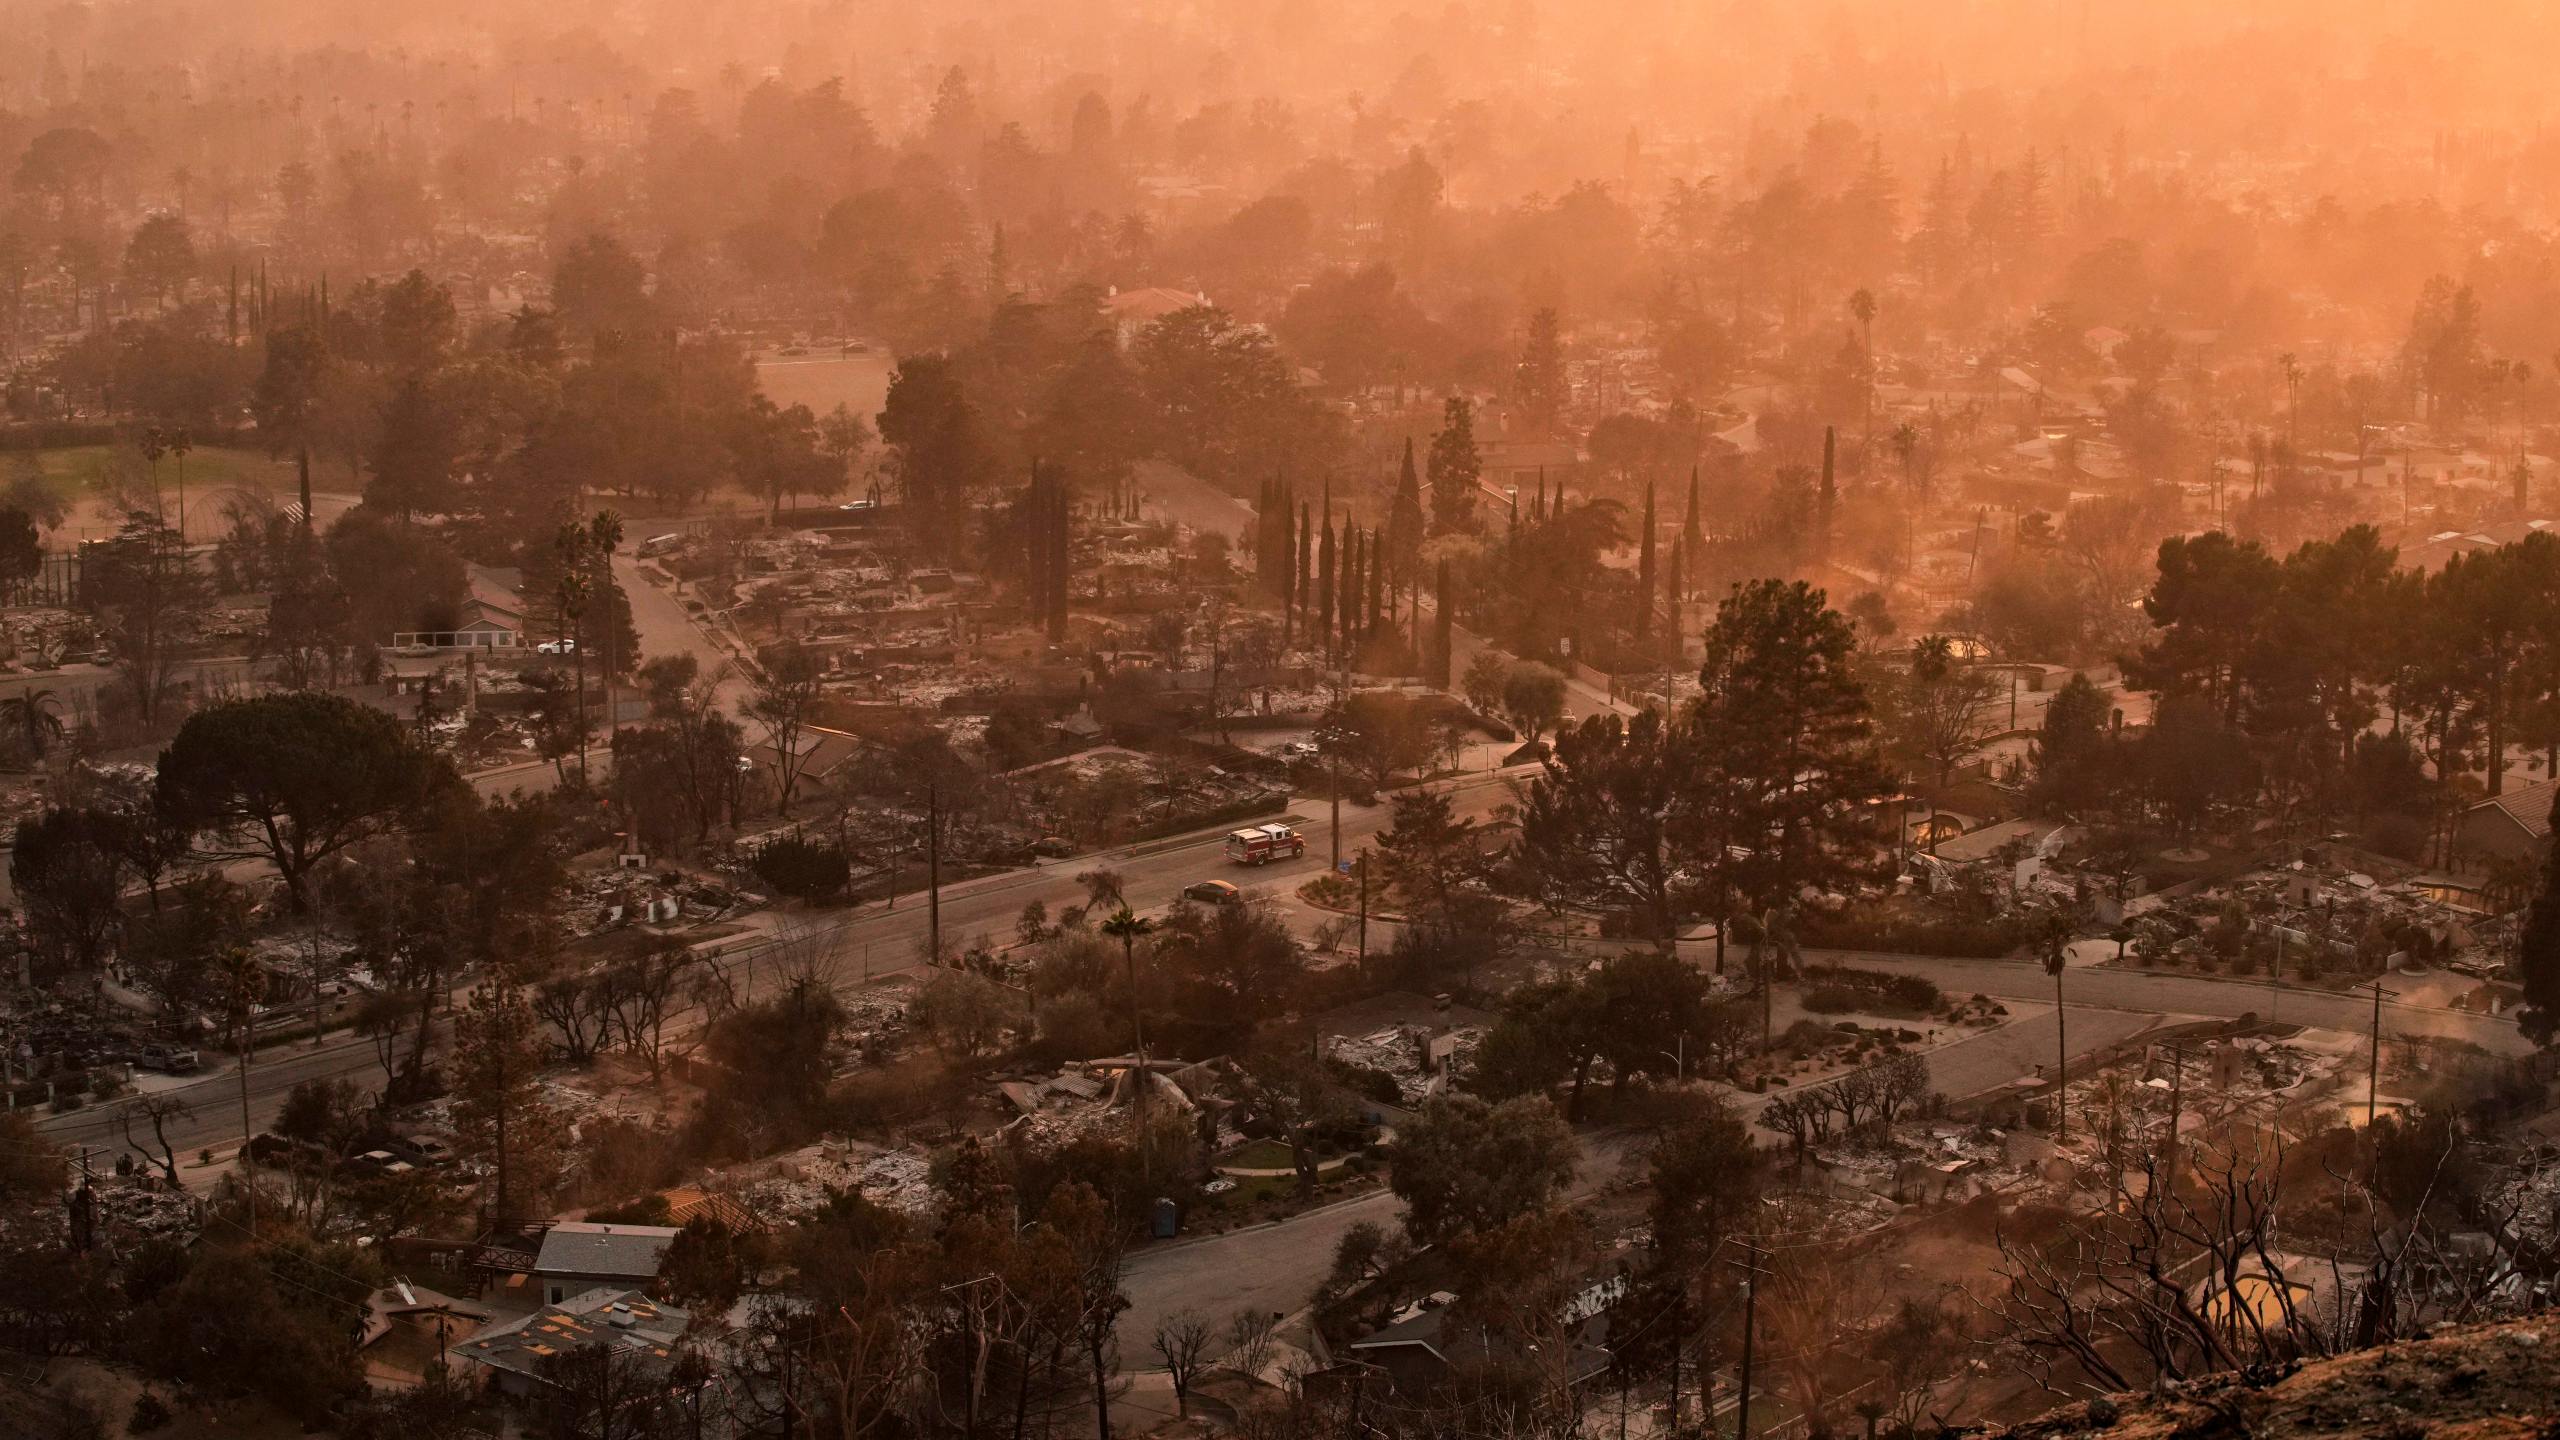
pixel 573 609
pixel 33 717
pixel 239 985
pixel 179 443
pixel 575 586
pixel 1127 926
pixel 2057 942
pixel 154 445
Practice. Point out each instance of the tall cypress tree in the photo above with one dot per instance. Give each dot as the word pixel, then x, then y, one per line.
pixel 1674 590
pixel 1324 584
pixel 1285 555
pixel 1405 521
pixel 1357 546
pixel 1689 528
pixel 1378 595
pixel 1306 564
pixel 1644 572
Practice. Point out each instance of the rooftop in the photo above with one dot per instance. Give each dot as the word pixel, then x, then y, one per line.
pixel 626 1319
pixel 581 1248
pixel 2527 805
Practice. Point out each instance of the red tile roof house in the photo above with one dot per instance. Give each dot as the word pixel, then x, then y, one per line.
pixel 2512 826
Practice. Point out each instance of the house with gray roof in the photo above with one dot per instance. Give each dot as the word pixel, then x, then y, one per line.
pixel 519 1355
pixel 578 1256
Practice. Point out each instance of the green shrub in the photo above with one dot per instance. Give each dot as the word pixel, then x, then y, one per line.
pixel 1871 989
pixel 803 869
pixel 1806 1037
pixel 1831 997
pixel 1954 936
pixel 1368 1081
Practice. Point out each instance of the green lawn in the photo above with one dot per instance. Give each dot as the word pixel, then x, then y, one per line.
pixel 80 471
pixel 1258 1155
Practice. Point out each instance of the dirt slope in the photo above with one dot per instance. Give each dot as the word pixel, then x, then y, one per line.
pixel 2480 1382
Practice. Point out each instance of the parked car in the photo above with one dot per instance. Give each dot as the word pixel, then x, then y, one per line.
pixel 272 1149
pixel 376 1162
pixel 424 1149
pixel 169 1059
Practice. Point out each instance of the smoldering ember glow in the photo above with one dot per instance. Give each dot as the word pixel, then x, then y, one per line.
pixel 1466 722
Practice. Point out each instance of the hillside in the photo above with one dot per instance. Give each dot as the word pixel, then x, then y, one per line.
pixel 2480 1382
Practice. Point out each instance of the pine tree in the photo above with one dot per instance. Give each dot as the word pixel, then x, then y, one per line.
pixel 499 1112
pixel 1644 572
pixel 1455 468
pixel 1444 628
pixel 1035 544
pixel 2538 953
pixel 1538 386
pixel 1830 487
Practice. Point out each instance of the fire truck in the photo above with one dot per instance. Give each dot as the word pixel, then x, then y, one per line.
pixel 1265 843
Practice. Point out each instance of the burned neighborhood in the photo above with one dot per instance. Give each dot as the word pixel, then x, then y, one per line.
pixel 1501 722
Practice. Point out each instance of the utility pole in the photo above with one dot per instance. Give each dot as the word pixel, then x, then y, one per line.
pixel 2057 959
pixel 1364 904
pixel 2275 979
pixel 1334 770
pixel 2177 1097
pixel 1750 1324
pixel 932 869
pixel 2373 1065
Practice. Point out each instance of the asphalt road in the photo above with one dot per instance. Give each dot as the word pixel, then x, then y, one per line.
pixel 2155 992
pixel 1277 1266
pixel 877 940
pixel 849 947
